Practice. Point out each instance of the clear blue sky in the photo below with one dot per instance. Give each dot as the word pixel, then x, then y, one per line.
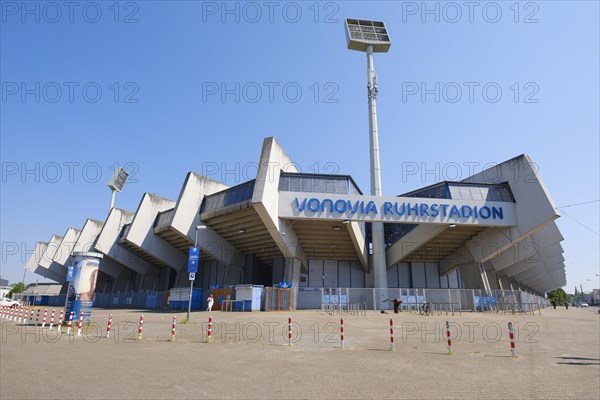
pixel 159 65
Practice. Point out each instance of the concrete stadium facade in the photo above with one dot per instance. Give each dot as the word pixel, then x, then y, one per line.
pixel 493 230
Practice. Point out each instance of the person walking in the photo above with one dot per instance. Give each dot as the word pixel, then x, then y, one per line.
pixel 210 301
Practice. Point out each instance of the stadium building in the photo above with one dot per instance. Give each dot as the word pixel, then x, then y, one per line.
pixel 495 230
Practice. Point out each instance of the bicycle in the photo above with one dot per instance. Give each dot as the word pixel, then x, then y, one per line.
pixel 425 309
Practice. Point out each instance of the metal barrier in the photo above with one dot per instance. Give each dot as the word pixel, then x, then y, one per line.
pixel 346 308
pixel 227 305
pixel 343 300
pixel 449 301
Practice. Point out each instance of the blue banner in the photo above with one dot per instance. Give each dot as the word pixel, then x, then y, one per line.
pixel 70 273
pixel 193 257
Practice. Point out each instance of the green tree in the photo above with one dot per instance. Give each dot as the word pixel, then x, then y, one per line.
pixel 558 296
pixel 18 288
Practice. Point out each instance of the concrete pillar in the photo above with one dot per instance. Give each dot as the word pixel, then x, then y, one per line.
pixel 504 283
pixel 491 277
pixel 291 273
pixel 378 262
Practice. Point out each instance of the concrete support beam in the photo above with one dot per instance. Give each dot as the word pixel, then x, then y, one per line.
pixel 87 242
pixel 141 232
pixel 534 212
pixel 411 241
pixel 66 247
pixel 108 244
pixel 46 260
pixel 33 264
pixel 472 276
pixel 186 216
pixel 544 255
pixel 265 200
pixel 359 242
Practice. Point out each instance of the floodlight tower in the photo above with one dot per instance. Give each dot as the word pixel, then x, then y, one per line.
pixel 372 37
pixel 116 183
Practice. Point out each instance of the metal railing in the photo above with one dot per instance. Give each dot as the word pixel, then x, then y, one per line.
pixel 441 300
pixel 346 300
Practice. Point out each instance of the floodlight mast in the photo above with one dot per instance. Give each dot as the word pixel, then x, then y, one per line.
pixel 373 135
pixel 116 183
pixel 372 36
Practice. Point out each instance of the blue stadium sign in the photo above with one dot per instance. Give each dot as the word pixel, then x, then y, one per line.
pixel 193 258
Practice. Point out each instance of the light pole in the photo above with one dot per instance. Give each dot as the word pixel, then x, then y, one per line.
pixel 191 261
pixel 372 37
pixel 116 183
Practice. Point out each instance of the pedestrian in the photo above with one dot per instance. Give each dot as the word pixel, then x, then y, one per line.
pixel 553 304
pixel 397 303
pixel 567 305
pixel 210 301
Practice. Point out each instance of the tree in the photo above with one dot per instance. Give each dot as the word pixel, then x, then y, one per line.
pixel 558 296
pixel 18 288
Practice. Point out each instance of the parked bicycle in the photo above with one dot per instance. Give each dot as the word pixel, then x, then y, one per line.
pixel 425 309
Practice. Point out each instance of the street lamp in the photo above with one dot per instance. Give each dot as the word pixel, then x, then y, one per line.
pixel 194 257
pixel 372 37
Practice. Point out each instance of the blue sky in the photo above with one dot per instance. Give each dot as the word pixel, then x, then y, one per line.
pixel 168 87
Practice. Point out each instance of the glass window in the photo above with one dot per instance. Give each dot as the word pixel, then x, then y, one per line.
pixel 485 192
pixel 306 185
pixel 476 193
pixel 295 184
pixel 496 195
pixel 465 192
pixel 455 192
pixel 284 183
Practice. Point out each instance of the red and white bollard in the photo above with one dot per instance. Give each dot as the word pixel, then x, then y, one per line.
pixel 20 319
pixel 448 337
pixel 44 319
pixel 37 317
pixel 511 334
pixel 209 337
pixel 80 326
pixel 289 331
pixel 173 328
pixel 60 321
pixel 25 316
pixel 141 328
pixel 52 319
pixel 391 335
pixel 342 333
pixel 31 316
pixel 70 323
pixel 108 326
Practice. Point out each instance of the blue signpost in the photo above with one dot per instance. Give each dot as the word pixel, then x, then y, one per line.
pixel 193 258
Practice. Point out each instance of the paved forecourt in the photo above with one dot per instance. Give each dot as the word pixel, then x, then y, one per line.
pixel 249 356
